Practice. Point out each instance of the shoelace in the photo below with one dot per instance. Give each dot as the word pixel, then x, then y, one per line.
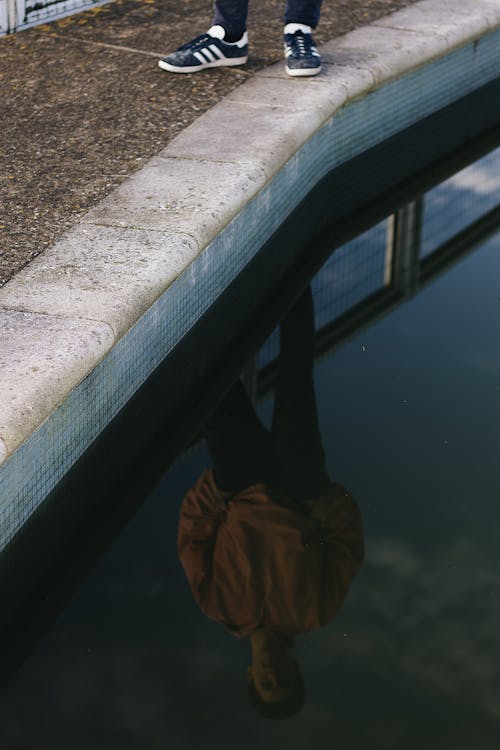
pixel 300 44
pixel 196 43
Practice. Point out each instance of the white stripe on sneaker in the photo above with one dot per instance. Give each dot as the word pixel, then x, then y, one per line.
pixel 217 51
pixel 208 54
pixel 200 58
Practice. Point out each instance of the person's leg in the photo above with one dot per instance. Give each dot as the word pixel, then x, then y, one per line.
pixel 303 11
pixel 232 16
pixel 297 447
pixel 238 443
pixel 301 55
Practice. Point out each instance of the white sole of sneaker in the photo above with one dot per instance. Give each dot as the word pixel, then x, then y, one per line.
pixel 226 63
pixel 301 72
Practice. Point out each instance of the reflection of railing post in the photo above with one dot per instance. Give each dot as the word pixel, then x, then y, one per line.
pixel 403 247
pixel 249 377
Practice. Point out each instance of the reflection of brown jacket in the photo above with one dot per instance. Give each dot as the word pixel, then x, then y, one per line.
pixel 252 559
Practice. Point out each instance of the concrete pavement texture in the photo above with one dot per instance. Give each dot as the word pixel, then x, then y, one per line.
pixel 84 105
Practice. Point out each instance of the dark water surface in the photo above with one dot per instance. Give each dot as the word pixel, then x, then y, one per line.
pixel 410 417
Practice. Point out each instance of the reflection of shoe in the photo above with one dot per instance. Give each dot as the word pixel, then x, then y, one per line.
pixel 207 51
pixel 302 57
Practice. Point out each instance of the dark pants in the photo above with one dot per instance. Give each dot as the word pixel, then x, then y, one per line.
pixel 232 14
pixel 290 456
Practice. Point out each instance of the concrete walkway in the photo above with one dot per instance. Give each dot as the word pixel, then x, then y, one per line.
pixel 87 322
pixel 83 103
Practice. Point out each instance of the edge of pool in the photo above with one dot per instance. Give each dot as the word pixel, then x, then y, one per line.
pixel 86 323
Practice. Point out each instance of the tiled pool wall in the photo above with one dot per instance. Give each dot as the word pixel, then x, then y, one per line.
pixel 36 467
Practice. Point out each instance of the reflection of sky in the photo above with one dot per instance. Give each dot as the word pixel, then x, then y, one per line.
pixel 456 203
pixel 410 416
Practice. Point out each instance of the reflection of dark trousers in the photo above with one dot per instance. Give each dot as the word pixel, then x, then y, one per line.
pixel 232 14
pixel 291 455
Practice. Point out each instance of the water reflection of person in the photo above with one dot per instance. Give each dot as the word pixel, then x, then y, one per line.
pixel 268 542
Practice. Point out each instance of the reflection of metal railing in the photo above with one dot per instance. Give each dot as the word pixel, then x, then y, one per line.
pixel 391 261
pixel 20 14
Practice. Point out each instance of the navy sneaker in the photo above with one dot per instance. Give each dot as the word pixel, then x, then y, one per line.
pixel 302 57
pixel 208 50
